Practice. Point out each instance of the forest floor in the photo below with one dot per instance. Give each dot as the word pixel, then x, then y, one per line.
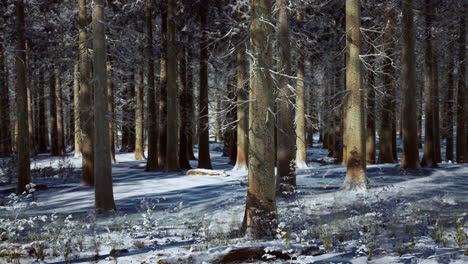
pixel 407 216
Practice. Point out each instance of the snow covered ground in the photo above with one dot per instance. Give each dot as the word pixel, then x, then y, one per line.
pixel 408 216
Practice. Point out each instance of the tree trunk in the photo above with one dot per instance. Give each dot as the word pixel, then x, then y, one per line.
pixel 429 159
pixel 286 134
pixel 354 131
pixel 5 130
pixel 172 146
pixel 301 152
pixel 139 122
pixel 104 197
pixel 370 138
pixel 435 79
pixel 128 116
pixel 152 163
pixel 204 160
pixel 86 102
pixel 59 105
pixel 54 145
pixel 260 211
pixel 387 115
pixel 110 109
pixel 22 143
pixel 462 150
pixel 191 107
pixel 76 109
pixel 410 156
pixel 41 115
pixel 184 113
pixel 162 146
pixel 449 103
pixel 242 111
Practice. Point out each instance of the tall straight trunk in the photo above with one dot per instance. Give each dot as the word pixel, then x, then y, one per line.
pixel 370 135
pixel 59 105
pixel 301 152
pixel 32 148
pixel 5 130
pixel 260 210
pixel 429 159
pixel 449 103
pixel 462 151
pixel 286 134
pixel 152 125
pixel 162 144
pixel 128 116
pixel 409 112
pixel 354 131
pixel 184 113
pixel 172 146
pixel 41 115
pixel 217 115
pixel 110 109
pixel 76 109
pixel 242 111
pixel 387 114
pixel 54 144
pixel 230 134
pixel 22 143
pixel 191 108
pixel 435 80
pixel 139 116
pixel 86 102
pixel 204 160
pixel 104 197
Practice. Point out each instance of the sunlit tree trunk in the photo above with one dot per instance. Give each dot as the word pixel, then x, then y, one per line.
pixel 204 160
pixel 172 146
pixel 22 143
pixel 354 131
pixel 301 152
pixel 387 113
pixel 260 211
pixel 139 115
pixel 286 134
pixel 242 110
pixel 410 155
pixel 152 163
pixel 86 102
pixel 104 197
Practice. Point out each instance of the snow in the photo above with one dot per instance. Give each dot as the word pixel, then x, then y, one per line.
pixel 177 217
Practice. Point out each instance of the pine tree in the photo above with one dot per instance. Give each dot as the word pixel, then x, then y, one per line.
pixel 139 116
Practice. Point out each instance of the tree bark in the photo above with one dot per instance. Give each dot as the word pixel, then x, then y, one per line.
pixel 184 113
pixel 462 150
pixel 242 111
pixel 152 163
pixel 435 80
pixel 301 152
pixel 54 143
pixel 370 138
pixel 104 197
pixel 110 108
pixel 59 105
pixel 286 134
pixel 260 212
pixel 86 102
pixel 204 160
pixel 41 115
pixel 449 103
pixel 5 129
pixel 162 145
pixel 354 131
pixel 76 109
pixel 128 116
pixel 139 115
pixel 191 107
pixel 410 155
pixel 429 159
pixel 22 143
pixel 172 146
pixel 387 115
